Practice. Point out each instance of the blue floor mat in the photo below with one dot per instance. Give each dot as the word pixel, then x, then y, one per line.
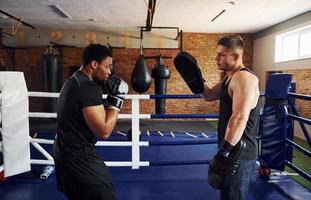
pixel 178 182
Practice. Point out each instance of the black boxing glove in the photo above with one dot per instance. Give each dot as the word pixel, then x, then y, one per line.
pixel 225 164
pixel 115 87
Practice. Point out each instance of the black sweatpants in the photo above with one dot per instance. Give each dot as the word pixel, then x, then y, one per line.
pixel 84 178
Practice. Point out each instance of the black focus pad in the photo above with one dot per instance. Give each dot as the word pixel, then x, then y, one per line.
pixel 188 68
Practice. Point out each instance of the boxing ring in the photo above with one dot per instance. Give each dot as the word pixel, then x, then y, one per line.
pixel 167 164
pixel 135 116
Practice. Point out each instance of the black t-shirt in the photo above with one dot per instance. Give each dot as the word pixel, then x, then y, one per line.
pixel 74 137
pixel 252 126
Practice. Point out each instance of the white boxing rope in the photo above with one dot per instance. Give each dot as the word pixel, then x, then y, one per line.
pixel 41 141
pixel 41 162
pixel 15 124
pixel 111 143
pixel 42 151
pixel 43 94
pixel 108 163
pixel 54 115
pixel 42 115
pixel 35 141
pixel 56 95
pixel 126 164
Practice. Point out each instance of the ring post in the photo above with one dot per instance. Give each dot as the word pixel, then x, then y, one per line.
pixel 135 134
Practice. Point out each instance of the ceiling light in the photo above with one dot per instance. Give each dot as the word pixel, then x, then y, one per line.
pixel 222 12
pixel 60 11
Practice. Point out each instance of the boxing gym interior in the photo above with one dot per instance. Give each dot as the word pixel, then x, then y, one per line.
pixel 166 135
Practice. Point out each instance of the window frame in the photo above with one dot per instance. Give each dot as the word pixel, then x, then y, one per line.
pixel 279 45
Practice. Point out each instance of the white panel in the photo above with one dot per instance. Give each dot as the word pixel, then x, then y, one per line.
pixel 15 126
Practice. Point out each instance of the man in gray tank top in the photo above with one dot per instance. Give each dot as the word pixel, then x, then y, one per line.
pixel 232 167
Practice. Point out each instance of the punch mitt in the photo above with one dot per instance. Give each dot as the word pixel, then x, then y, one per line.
pixel 188 68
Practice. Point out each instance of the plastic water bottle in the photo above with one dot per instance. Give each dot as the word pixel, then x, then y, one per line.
pixel 47 171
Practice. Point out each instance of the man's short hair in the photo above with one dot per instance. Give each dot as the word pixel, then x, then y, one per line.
pixel 95 52
pixel 233 42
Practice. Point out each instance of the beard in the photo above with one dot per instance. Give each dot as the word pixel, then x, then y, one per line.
pixel 99 81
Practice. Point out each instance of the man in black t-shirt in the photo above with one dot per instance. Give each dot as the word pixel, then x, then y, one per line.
pixel 81 117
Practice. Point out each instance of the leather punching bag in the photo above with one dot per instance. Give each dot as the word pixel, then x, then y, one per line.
pixel 51 78
pixel 160 73
pixel 141 77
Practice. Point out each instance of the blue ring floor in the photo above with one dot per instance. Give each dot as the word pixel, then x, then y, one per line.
pixel 178 182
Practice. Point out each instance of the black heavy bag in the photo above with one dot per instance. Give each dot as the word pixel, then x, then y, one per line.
pixel 2 65
pixel 51 79
pixel 160 73
pixel 141 77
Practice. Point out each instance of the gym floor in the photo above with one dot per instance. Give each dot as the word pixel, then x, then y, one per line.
pixel 182 182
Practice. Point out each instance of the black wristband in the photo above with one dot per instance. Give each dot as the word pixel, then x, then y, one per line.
pixel 225 149
pixel 226 146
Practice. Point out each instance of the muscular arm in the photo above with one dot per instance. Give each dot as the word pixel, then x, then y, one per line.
pixel 245 92
pixel 211 94
pixel 100 121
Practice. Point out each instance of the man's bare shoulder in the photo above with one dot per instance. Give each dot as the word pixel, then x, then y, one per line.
pixel 245 77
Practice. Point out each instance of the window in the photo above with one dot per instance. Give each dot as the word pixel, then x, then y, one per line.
pixel 293 45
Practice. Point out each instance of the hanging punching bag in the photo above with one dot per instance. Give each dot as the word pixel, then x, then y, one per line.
pixel 141 77
pixel 51 78
pixel 2 65
pixel 160 73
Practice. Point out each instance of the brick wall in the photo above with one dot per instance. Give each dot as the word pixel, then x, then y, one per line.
pixel 6 59
pixel 28 61
pixel 303 86
pixel 202 46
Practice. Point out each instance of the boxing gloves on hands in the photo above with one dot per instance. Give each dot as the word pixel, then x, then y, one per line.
pixel 115 87
pixel 225 164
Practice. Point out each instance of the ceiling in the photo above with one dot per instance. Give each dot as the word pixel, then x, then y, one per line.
pixel 241 16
